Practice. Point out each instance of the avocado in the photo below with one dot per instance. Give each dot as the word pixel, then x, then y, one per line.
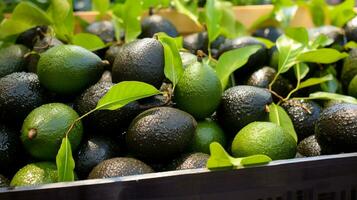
pixel 264 76
pixel 140 60
pixel 351 29
pixel 271 33
pixel 337 128
pixel 304 115
pixel 190 161
pixel 241 105
pixel 187 59
pixel 103 29
pixel 349 69
pixel 20 93
pixel 12 59
pixel 93 151
pixel 199 41
pixel 10 149
pixel 160 133
pixel 29 37
pixel 155 24
pixel 117 167
pixel 112 52
pixel 309 147
pixel 4 182
pixel 335 33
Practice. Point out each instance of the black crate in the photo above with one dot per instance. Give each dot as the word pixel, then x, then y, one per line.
pixel 321 178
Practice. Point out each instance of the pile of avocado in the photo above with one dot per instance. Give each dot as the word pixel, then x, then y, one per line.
pixel 46 85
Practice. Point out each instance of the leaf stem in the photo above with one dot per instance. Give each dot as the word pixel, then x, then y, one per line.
pixel 79 119
pixel 297 84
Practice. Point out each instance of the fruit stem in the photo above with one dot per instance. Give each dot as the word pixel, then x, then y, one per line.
pixel 32 133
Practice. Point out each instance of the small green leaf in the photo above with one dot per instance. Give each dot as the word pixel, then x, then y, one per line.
pixel 279 116
pixel 321 41
pixel 173 64
pixel 64 24
pixel 65 162
pixel 230 27
pixel 324 56
pixel 288 49
pixel 58 10
pixel 102 6
pixel 315 81
pixel 342 13
pixel 88 41
pixel 298 34
pixel 213 20
pixel 301 70
pixel 331 96
pixel 255 160
pixel 318 10
pixel 269 44
pixel 351 45
pixel 233 60
pixel 191 12
pixel 125 92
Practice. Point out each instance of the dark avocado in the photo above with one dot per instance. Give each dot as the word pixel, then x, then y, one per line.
pixel 241 105
pixel 155 24
pixel 10 150
pixel 112 52
pixel 4 182
pixel 20 93
pixel 29 37
pixel 117 167
pixel 309 147
pixel 304 115
pixel 93 151
pixel 271 33
pixel 199 41
pixel 160 133
pixel 190 161
pixel 103 29
pixel 264 76
pixel 351 29
pixel 141 60
pixel 337 128
pixel 349 69
pixel 335 33
pixel 12 59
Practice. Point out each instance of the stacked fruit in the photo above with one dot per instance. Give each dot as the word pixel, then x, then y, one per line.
pixel 143 106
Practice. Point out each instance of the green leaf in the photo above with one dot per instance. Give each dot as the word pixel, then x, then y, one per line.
pixel 64 28
pixel 65 162
pixel 342 13
pixel 221 159
pixel 318 10
pixel 331 96
pixel 58 10
pixel 351 45
pixel 233 60
pixel 125 92
pixel 230 27
pixel 192 13
pixel 324 56
pixel 88 41
pixel 102 6
pixel 155 3
pixel 285 14
pixel 315 81
pixel 173 63
pixel 298 34
pixel 128 18
pixel 269 44
pixel 321 41
pixel 301 70
pixel 25 16
pixel 279 116
pixel 288 49
pixel 213 20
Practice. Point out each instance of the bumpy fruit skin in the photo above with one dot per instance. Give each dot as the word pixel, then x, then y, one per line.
pixel 310 147
pixel 12 59
pixel 156 24
pixel 35 174
pixel 264 138
pixel 141 60
pixel 349 69
pixel 50 123
pixel 10 149
pixel 68 69
pixel 190 161
pixel 160 133
pixel 337 128
pixel 241 105
pixel 304 115
pixel 198 91
pixel 117 167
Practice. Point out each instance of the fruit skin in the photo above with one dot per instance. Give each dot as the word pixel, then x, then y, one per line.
pixel 304 115
pixel 140 60
pixel 271 33
pixel 351 29
pixel 187 59
pixel 29 37
pixel 117 167
pixel 160 133
pixel 333 32
pixel 10 149
pixel 49 123
pixel 35 174
pixel 207 131
pixel 20 93
pixel 68 69
pixel 241 105
pixel 199 41
pixel 310 147
pixel 264 138
pixel 103 29
pixel 190 161
pixel 337 128
pixel 352 87
pixel 155 24
pixel 349 69
pixel 93 151
pixel 198 91
pixel 4 182
pixel 12 59
pixel 111 53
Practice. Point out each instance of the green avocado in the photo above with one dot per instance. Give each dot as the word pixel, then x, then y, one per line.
pixel 349 69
